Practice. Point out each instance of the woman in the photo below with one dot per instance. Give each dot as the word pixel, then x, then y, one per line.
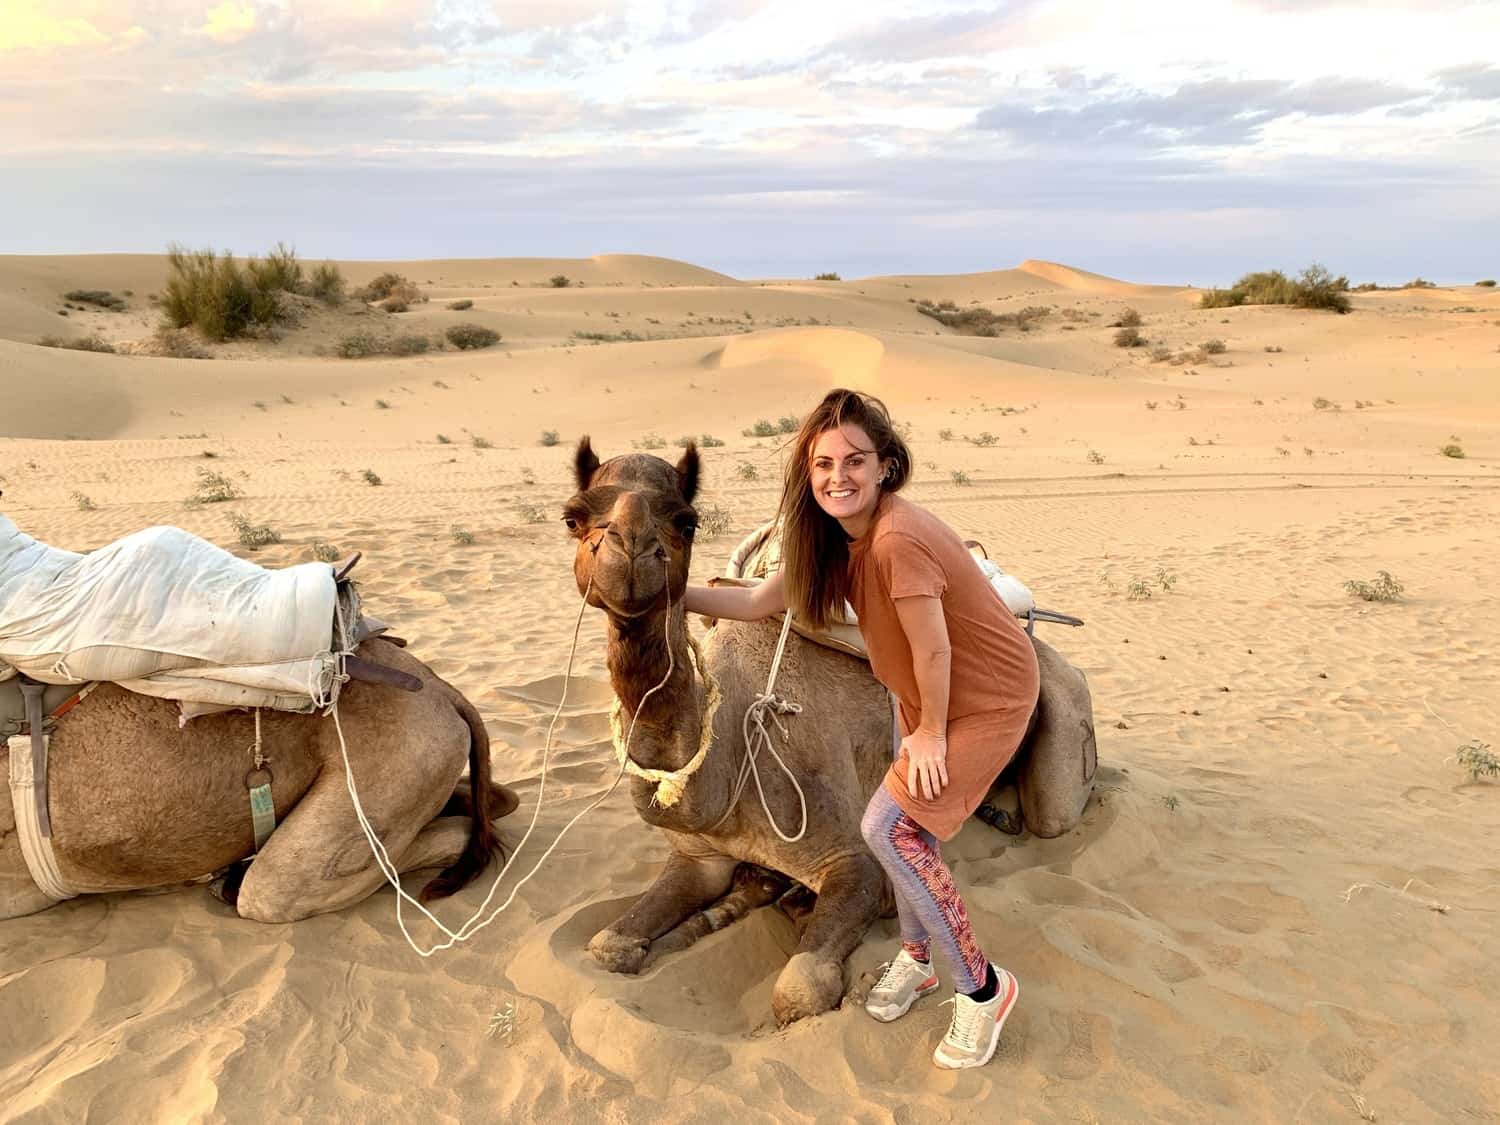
pixel 961 669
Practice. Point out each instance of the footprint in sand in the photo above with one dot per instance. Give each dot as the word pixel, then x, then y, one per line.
pixel 1090 1038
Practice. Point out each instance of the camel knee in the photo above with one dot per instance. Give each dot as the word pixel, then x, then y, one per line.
pixel 807 986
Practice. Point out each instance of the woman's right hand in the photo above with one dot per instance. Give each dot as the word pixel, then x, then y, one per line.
pixel 738 603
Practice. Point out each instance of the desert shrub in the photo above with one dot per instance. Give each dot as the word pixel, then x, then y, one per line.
pixel 83 502
pixel 1487 283
pixel 559 281
pixel 945 434
pixel 1476 757
pixel 381 404
pixel 459 306
pixel 651 441
pixel 178 343
pixel 1313 288
pixel 708 441
pixel 253 536
pixel 1160 353
pixel 410 345
pixel 787 424
pixel 827 277
pixel 1214 346
pixel 1127 319
pixel 360 345
pixel 979 321
pixel 985 438
pixel 713 521
pixel 77 343
pixel 959 477
pixel 1095 457
pixel 746 471
pixel 101 297
pixel 326 284
pixel 549 437
pixel 1420 283
pixel 1321 403
pixel 461 535
pixel 222 301
pixel 323 551
pixel 1385 588
pixel 479 442
pixel 1454 451
pixel 394 305
pixel 371 477
pixel 470 336
pixel 386 285
pixel 763 427
pixel 1129 338
pixel 213 488
pixel 531 513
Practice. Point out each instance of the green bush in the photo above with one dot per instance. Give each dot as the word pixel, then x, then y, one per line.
pixel 1313 288
pixel 469 336
pixel 383 286
pixel 827 277
pixel 1420 283
pixel 1487 283
pixel 979 321
pixel 327 284
pixel 222 301
pixel 101 297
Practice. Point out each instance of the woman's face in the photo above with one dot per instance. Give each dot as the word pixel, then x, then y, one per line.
pixel 845 476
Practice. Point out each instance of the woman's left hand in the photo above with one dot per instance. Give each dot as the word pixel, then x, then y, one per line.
pixel 927 763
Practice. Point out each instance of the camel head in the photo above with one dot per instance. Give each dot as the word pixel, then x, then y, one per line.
pixel 634 522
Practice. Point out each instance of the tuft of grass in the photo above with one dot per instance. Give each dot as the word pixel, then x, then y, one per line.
pixel 326 284
pixel 324 552
pixel 531 513
pixel 101 297
pixel 1385 588
pixel 1138 590
pixel 1476 757
pixel 1454 451
pixel 1095 457
pixel 382 404
pixel 1164 580
pixel 444 439
pixel 1129 338
pixel 467 337
pixel 479 442
pixel 827 277
pixel 945 434
pixel 549 437
pixel 651 441
pixel 708 441
pixel 1150 405
pixel 461 535
pixel 84 503
pixel 713 521
pixel 460 306
pixel 77 343
pixel 959 477
pixel 1171 801
pixel 371 477
pixel 360 345
pixel 1313 288
pixel 746 471
pixel 559 281
pixel 1214 346
pixel 984 438
pixel 213 488
pixel 253 536
pixel 1321 403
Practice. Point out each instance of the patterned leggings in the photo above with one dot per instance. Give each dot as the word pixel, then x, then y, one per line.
pixel 926 896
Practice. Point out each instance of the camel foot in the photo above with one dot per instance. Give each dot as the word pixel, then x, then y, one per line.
pixel 225 886
pixel 619 953
pixel 807 986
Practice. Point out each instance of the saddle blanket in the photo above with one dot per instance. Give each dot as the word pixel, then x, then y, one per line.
pixel 165 613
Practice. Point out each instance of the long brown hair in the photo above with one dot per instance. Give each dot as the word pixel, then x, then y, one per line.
pixel 814 548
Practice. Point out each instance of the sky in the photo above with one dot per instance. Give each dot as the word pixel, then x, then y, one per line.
pixel 1177 141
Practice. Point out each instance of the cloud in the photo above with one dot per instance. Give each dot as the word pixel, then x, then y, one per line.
pixel 229 22
pixel 28 26
pixel 1476 81
pixel 1215 112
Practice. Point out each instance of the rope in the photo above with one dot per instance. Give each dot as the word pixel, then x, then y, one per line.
pixel 767 705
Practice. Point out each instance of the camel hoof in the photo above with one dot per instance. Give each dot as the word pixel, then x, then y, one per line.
pixel 618 953
pixel 807 986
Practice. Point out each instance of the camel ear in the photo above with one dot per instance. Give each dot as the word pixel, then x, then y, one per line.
pixel 584 462
pixel 687 472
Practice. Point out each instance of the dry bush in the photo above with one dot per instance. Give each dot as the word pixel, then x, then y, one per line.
pixel 326 284
pixel 253 536
pixel 394 305
pixel 77 343
pixel 1214 346
pixel 559 281
pixel 178 343
pixel 410 345
pixel 979 321
pixel 1385 588
pixel 459 306
pixel 1313 288
pixel 1129 338
pixel 213 488
pixel 324 551
pixel 360 345
pixel 101 297
pixel 1127 319
pixel 713 521
pixel 389 285
pixel 470 336
pixel 1454 451
pixel 827 277
pixel 222 301
pixel 549 437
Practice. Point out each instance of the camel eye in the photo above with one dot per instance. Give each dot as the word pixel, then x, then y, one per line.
pixel 570 523
pixel 689 530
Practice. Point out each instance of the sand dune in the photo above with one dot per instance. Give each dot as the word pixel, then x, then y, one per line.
pixel 1218 941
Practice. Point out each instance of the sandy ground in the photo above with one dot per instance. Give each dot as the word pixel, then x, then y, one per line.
pixel 1192 952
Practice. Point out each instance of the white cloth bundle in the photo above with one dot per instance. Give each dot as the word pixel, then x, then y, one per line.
pixel 165 613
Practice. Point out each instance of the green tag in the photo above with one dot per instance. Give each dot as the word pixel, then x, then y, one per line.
pixel 262 814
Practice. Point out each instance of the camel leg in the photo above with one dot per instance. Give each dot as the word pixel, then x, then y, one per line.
pixel 1055 772
pixel 753 888
pixel 686 885
pixel 848 901
pixel 318 859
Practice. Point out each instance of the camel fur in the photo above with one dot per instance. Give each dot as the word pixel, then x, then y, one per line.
pixel 633 521
pixel 137 802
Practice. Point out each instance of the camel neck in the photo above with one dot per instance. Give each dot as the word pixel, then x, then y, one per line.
pixel 669 723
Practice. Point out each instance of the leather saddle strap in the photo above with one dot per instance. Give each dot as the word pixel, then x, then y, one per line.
pixel 36 718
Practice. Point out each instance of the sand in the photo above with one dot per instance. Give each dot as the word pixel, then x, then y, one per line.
pixel 1192 952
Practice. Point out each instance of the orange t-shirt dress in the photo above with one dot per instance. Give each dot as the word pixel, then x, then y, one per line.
pixel 909 552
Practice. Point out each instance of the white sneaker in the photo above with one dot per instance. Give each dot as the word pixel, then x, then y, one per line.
pixel 975 1030
pixel 904 980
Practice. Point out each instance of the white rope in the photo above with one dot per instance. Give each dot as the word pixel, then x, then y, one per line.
pixel 767 705
pixel 476 922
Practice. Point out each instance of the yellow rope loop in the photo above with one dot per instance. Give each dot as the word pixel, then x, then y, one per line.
pixel 670 784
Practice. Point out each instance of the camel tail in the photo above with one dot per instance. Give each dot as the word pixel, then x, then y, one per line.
pixel 484 842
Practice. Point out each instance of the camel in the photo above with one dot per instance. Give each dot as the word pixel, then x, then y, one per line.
pixel 634 523
pixel 137 803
